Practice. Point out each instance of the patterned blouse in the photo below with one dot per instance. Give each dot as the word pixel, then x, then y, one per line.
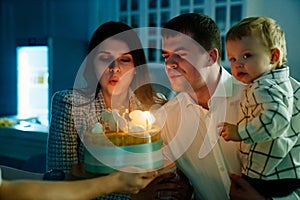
pixel 71 114
pixel 0 178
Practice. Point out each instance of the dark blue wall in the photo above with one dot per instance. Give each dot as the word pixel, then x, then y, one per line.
pixel 65 21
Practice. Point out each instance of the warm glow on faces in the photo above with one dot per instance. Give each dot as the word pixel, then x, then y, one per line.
pixel 182 56
pixel 114 65
pixel 249 58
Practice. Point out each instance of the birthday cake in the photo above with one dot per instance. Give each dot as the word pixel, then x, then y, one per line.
pixel 119 141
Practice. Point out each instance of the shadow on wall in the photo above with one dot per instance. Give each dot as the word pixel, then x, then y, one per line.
pixel 160 81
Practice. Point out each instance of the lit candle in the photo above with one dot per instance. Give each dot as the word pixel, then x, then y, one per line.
pixel 147 126
pixel 142 118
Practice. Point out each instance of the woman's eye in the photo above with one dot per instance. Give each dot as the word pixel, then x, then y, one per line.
pixel 126 60
pixel 105 59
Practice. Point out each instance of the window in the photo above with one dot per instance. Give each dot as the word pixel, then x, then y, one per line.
pixel 165 3
pixel 135 21
pixel 226 14
pixel 221 17
pixel 152 51
pixel 152 4
pixel 134 5
pixel 123 5
pixel 198 2
pixel 199 10
pixel 165 16
pixel 152 20
pixel 155 13
pixel 184 2
pixel 235 14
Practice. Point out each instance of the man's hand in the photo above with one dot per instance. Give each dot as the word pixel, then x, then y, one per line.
pixel 240 189
pixel 166 185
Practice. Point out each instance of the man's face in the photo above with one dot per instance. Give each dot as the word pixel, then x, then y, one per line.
pixel 184 59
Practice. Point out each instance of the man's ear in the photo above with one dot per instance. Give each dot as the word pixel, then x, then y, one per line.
pixel 213 56
pixel 275 55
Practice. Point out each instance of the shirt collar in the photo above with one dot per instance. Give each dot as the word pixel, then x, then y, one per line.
pixel 275 74
pixel 224 87
pixel 186 99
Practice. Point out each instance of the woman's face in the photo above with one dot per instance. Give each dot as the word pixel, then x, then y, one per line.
pixel 114 66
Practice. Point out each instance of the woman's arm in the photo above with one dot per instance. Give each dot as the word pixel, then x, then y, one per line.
pixel 83 189
pixel 62 147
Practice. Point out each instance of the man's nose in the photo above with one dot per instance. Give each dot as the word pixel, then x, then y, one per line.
pixel 171 62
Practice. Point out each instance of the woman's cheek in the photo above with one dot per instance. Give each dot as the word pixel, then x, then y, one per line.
pixel 99 68
pixel 126 78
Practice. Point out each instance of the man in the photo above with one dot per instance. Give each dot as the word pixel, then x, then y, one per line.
pixel 208 95
pixel 191 48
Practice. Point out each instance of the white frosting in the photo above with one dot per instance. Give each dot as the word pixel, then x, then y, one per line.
pixel 121 121
pixel 97 128
pixel 142 118
pixel 135 128
pixel 135 121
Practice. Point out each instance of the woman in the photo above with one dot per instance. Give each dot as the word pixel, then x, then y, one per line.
pixel 114 75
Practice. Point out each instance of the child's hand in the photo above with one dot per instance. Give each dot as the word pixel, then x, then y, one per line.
pixel 229 131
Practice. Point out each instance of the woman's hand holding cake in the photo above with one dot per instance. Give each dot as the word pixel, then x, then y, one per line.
pixel 132 179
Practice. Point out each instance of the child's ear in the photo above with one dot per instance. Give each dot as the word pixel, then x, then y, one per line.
pixel 275 55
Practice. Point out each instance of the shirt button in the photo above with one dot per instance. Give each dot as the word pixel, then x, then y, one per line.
pixel 222 169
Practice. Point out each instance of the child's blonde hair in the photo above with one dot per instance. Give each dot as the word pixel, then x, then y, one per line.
pixel 270 33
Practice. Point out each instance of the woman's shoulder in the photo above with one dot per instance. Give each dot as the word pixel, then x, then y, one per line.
pixel 70 100
pixel 69 96
pixel 63 93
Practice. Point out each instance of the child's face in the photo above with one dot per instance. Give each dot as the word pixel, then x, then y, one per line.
pixel 249 58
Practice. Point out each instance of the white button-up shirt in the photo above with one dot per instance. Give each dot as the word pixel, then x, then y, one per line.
pixel 192 140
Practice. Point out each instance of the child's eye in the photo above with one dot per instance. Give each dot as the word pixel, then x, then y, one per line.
pixel 232 59
pixel 245 56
